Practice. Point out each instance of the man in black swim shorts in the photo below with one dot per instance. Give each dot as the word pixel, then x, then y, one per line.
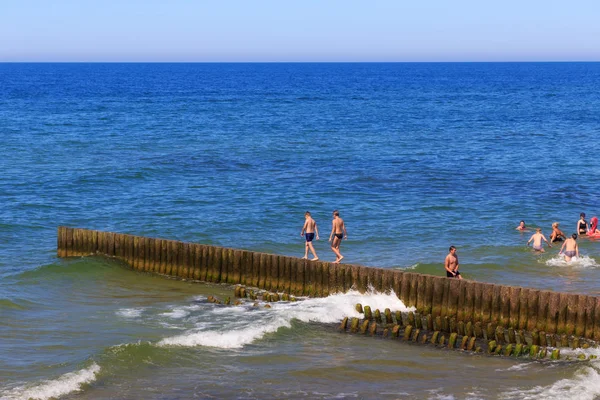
pixel 338 232
pixel 451 264
pixel 308 230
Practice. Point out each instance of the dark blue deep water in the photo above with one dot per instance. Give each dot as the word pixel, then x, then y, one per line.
pixel 416 157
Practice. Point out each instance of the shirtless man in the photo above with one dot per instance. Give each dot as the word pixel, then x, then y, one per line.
pixel 451 264
pixel 338 232
pixel 537 238
pixel 308 231
pixel 571 249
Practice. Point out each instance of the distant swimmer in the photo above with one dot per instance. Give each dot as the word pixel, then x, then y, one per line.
pixel 451 264
pixel 570 248
pixel 594 227
pixel 521 226
pixel 338 232
pixel 537 239
pixel 582 225
pixel 557 235
pixel 308 231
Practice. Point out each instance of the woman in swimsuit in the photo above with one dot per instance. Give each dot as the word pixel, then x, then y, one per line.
pixel 582 225
pixel 557 235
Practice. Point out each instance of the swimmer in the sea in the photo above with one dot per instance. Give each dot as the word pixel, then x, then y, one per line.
pixel 570 248
pixel 557 235
pixel 582 225
pixel 537 239
pixel 308 231
pixel 521 226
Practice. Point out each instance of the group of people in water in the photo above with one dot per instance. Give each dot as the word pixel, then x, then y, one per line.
pixel 569 248
pixel 310 232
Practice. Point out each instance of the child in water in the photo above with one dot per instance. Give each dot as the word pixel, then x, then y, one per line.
pixel 537 239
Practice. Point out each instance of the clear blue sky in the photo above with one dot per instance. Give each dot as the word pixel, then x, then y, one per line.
pixel 307 30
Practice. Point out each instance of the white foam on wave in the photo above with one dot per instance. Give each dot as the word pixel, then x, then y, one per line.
pixel 576 262
pixel 584 385
pixel 67 383
pixel 176 313
pixel 130 312
pixel 236 333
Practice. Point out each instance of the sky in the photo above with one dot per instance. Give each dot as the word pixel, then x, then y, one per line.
pixel 298 31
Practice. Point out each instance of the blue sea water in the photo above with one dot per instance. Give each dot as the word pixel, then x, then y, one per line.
pixel 416 156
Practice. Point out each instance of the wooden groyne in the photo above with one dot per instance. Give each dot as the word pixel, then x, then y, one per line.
pixel 449 304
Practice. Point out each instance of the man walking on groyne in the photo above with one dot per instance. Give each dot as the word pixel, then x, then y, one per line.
pixel 451 264
pixel 338 232
pixel 308 230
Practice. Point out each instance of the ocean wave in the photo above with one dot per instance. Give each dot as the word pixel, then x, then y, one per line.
pixel 584 385
pixel 65 384
pixel 238 332
pixel 11 305
pixel 130 312
pixel 576 262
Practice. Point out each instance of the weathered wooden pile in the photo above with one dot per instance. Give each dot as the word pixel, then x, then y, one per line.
pixel 467 308
pixel 412 327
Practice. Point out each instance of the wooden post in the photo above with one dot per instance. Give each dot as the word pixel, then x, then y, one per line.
pixel 61 242
pixel 363 279
pixel 437 296
pixel 552 312
pixel 420 297
pixel 515 303
pixel 505 305
pixel 69 242
pixel 561 324
pixel 590 313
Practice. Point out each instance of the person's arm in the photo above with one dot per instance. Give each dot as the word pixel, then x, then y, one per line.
pixel 303 228
pixel 316 231
pixel 332 231
pixel 529 241
pixel 562 247
pixel 577 250
pixel 345 233
pixel 546 240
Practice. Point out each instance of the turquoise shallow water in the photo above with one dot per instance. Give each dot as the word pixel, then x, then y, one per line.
pixel 415 156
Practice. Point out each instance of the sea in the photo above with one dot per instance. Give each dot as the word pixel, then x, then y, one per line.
pixel 415 156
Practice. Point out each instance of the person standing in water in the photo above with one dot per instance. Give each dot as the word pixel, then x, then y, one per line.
pixel 557 235
pixel 521 226
pixel 537 238
pixel 308 231
pixel 338 232
pixel 570 247
pixel 451 264
pixel 582 225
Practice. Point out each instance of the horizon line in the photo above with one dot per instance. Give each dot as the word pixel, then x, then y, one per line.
pixel 297 62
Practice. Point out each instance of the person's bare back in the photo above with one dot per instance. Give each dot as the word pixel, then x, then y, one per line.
pixel 309 225
pixel 570 248
pixel 338 232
